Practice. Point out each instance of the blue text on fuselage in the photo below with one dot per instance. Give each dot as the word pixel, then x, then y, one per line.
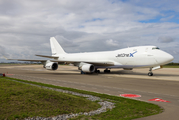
pixel 126 55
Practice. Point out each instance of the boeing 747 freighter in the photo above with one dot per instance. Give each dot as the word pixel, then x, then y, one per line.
pixel 134 57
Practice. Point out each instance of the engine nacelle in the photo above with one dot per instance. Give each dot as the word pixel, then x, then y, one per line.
pixel 51 66
pixel 89 68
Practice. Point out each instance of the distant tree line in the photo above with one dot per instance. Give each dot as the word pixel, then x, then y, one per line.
pixel 172 63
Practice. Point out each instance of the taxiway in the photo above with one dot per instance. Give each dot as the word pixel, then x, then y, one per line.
pixel 164 84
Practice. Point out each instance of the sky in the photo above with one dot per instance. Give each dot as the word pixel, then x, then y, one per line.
pixel 87 26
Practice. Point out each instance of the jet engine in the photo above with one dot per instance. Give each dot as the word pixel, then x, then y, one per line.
pixel 51 66
pixel 89 68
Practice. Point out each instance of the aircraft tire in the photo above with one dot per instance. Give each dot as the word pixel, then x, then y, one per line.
pixel 97 71
pixel 150 74
pixel 107 71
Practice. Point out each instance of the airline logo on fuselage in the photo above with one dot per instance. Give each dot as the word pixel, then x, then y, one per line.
pixel 126 55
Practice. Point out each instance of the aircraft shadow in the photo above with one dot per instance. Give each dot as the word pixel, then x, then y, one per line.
pixel 120 72
pixel 139 73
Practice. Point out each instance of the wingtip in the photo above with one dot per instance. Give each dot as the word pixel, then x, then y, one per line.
pixel 5 57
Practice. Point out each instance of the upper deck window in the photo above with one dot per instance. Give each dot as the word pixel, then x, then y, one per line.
pixel 154 48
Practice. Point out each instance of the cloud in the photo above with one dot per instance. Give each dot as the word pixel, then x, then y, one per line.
pixel 165 39
pixel 167 18
pixel 160 4
pixel 85 26
pixel 2 51
pixel 176 52
pixel 111 42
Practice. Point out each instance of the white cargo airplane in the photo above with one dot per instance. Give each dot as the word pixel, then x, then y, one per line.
pixel 134 57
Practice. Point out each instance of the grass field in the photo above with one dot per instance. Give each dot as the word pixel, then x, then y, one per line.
pixel 171 66
pixel 21 101
pixel 126 109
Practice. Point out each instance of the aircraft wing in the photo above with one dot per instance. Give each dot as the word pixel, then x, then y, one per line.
pixel 28 60
pixel 96 63
pixel 104 63
pixel 46 56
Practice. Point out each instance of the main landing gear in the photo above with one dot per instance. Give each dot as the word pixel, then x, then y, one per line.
pixel 107 71
pixel 97 71
pixel 150 73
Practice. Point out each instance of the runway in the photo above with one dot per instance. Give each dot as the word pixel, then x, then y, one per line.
pixel 164 84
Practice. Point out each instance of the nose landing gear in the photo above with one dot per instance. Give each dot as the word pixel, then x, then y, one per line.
pixel 150 73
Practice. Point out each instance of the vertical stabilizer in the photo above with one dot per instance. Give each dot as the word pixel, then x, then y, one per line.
pixel 56 47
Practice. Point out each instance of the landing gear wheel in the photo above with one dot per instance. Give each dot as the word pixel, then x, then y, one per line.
pixel 107 71
pixel 150 74
pixel 97 71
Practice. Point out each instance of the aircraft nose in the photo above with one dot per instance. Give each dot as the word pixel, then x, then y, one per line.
pixel 164 58
pixel 167 58
pixel 170 57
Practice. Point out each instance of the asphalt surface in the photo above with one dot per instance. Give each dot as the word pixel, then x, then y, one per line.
pixel 164 84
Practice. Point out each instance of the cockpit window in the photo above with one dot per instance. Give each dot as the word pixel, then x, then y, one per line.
pixel 154 48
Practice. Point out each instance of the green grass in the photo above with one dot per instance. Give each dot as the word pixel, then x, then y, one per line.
pixel 171 66
pixel 126 109
pixel 20 101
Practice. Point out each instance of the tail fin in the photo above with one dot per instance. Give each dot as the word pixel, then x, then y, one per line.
pixel 55 47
